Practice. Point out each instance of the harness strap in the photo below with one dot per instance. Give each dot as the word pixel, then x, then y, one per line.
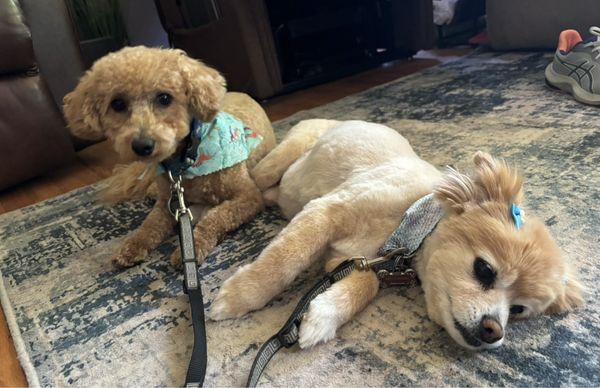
pixel 289 333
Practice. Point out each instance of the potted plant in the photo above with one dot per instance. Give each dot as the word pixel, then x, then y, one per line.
pixel 99 26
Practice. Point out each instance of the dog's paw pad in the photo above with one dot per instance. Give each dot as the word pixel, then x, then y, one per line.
pixel 320 322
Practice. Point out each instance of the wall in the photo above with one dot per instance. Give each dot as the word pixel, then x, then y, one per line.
pixel 142 23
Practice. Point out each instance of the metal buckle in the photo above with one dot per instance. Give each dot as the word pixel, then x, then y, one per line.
pixel 361 263
pixel 177 192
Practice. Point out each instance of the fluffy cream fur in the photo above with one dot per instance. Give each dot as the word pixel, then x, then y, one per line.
pixel 345 187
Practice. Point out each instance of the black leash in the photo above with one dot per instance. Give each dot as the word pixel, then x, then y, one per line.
pixel 401 274
pixel 191 283
pixel 288 335
pixel 175 167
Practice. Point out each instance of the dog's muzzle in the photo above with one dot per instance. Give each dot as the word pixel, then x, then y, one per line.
pixel 142 146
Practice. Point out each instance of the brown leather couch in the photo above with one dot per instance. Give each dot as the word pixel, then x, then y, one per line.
pixel 33 136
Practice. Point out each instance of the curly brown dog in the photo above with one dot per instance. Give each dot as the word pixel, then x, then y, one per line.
pixel 143 101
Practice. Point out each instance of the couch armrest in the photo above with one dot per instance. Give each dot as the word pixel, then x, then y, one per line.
pixel 33 138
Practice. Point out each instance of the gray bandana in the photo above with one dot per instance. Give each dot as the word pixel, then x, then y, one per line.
pixel 417 223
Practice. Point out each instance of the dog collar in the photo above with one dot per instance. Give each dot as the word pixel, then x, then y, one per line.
pixel 212 146
pixel 418 222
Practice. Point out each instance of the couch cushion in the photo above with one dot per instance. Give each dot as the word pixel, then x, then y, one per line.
pixel 536 24
pixel 16 49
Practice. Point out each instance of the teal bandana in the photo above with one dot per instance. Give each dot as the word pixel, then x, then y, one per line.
pixel 224 142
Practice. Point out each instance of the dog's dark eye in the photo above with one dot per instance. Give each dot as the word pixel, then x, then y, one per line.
pixel 118 105
pixel 484 273
pixel 516 309
pixel 164 99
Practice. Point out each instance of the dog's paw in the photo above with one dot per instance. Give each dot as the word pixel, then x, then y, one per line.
pixel 235 298
pixel 320 322
pixel 176 257
pixel 228 304
pixel 130 253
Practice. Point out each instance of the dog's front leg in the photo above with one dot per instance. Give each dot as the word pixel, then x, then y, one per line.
pixel 156 227
pixel 336 306
pixel 222 219
pixel 292 251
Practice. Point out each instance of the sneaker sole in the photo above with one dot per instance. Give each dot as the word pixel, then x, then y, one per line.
pixel 570 86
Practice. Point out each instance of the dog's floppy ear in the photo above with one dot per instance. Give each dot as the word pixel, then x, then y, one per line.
pixel 456 191
pixel 82 110
pixel 568 299
pixel 496 180
pixel 205 87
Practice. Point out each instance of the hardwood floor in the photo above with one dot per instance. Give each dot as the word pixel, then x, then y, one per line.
pixel 96 162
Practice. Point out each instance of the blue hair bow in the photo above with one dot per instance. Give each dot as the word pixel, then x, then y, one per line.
pixel 517 217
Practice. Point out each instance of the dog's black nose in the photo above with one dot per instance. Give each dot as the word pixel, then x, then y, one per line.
pixel 490 330
pixel 143 146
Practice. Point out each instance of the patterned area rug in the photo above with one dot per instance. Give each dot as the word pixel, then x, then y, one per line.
pixel 85 323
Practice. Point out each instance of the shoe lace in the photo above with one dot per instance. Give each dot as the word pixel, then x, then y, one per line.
pixel 595 44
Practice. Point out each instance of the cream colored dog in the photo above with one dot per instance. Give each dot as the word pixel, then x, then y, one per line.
pixel 346 185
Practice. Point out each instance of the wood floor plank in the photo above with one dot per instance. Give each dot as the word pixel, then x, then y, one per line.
pixel 18 197
pixel 11 374
pixel 99 157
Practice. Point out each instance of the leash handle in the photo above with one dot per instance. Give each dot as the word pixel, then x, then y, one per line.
pixel 197 366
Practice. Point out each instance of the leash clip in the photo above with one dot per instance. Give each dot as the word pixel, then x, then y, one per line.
pixel 179 208
pixel 361 263
pixel 400 275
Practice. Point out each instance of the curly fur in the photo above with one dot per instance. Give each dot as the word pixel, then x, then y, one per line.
pixel 137 76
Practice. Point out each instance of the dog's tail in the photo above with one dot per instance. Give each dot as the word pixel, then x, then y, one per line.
pixel 300 138
pixel 129 182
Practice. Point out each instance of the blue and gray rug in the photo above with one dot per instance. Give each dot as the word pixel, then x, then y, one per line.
pixel 83 322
